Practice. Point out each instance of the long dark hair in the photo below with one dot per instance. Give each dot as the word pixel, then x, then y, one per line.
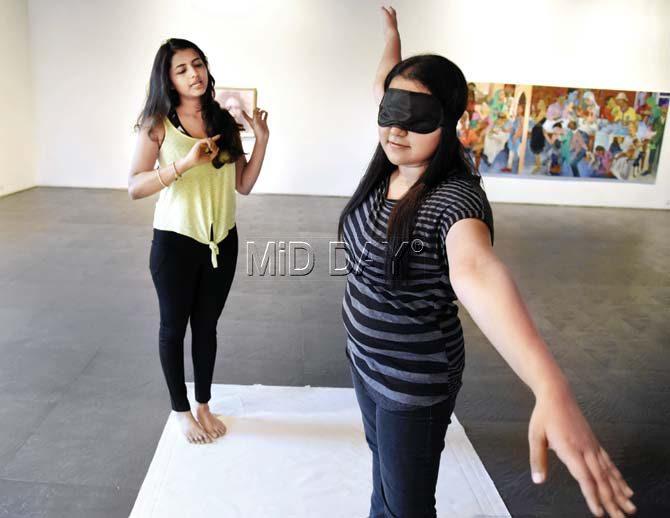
pixel 446 82
pixel 162 98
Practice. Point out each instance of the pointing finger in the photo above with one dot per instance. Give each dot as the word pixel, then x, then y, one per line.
pixel 538 457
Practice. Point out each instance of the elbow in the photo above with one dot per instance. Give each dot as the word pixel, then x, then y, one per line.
pixel 242 190
pixel 132 192
pixel 131 187
pixel 471 272
pixel 460 279
pixel 473 276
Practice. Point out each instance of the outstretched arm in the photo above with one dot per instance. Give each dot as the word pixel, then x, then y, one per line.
pixel 391 55
pixel 485 288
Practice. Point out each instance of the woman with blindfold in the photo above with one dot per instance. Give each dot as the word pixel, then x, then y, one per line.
pixel 418 232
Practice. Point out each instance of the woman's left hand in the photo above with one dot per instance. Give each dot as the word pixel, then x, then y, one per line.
pixel 558 424
pixel 258 123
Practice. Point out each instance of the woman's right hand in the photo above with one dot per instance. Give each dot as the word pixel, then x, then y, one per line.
pixel 390 22
pixel 390 55
pixel 203 151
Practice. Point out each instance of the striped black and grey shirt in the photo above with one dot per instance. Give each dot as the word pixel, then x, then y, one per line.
pixel 407 344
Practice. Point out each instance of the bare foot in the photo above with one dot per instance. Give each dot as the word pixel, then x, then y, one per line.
pixel 191 429
pixel 210 423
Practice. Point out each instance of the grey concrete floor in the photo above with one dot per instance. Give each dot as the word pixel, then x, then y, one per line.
pixel 82 395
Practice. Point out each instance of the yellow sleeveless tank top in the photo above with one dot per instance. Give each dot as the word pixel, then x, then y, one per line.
pixel 203 199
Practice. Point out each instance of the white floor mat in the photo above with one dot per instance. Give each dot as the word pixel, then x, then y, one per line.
pixel 293 452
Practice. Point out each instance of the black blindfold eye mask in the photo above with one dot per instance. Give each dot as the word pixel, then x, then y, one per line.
pixel 411 111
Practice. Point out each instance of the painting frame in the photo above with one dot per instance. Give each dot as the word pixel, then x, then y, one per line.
pixel 564 132
pixel 235 99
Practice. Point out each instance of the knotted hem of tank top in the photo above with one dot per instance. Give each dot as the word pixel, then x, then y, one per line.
pixel 215 251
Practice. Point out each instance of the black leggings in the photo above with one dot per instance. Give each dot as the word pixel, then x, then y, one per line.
pixel 188 286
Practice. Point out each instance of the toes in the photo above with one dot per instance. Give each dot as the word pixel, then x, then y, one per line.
pixel 212 430
pixel 204 435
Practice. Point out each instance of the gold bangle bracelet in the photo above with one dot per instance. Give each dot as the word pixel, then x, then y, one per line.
pixel 177 174
pixel 158 173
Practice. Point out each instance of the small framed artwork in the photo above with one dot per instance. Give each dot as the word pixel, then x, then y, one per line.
pixel 236 100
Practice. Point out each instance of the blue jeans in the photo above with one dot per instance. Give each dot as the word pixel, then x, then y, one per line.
pixel 406 446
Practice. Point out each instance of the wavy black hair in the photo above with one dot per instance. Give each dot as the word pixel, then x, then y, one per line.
pixel 162 98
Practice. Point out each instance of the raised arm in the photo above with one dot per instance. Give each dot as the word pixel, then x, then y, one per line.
pixel 246 173
pixel 485 287
pixel 391 54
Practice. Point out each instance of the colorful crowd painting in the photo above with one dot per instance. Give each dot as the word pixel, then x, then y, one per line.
pixel 572 133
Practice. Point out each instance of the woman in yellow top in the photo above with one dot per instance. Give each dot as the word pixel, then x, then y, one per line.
pixel 201 164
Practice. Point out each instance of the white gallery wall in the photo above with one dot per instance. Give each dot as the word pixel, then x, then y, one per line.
pixel 313 62
pixel 17 144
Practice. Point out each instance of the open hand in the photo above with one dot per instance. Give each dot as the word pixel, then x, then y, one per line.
pixel 258 123
pixel 390 22
pixel 557 424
